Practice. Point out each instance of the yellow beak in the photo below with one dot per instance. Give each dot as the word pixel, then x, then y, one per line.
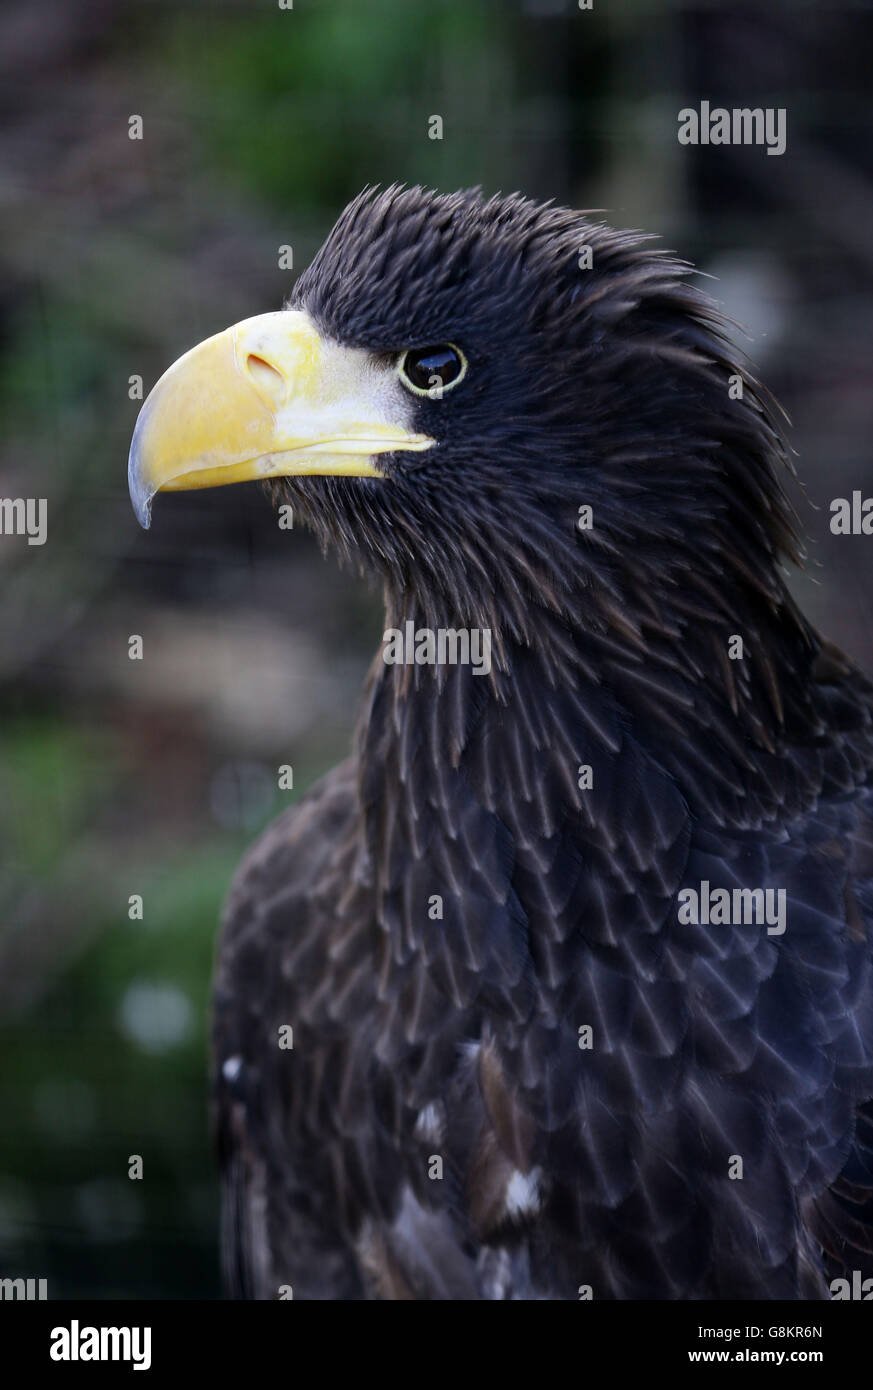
pixel 267 398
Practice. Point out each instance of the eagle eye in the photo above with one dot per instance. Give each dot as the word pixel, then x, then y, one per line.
pixel 432 370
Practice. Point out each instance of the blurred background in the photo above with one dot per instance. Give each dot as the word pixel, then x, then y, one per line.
pixel 150 777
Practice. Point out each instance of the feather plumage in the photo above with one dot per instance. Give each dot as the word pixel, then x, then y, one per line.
pixel 458 1039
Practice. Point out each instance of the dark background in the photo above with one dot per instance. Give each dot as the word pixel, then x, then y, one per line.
pixel 121 777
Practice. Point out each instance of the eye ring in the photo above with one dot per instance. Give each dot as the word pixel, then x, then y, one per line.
pixel 433 361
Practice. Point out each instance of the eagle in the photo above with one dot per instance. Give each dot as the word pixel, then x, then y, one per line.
pixel 560 986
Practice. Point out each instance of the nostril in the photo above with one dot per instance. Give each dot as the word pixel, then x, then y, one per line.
pixel 264 375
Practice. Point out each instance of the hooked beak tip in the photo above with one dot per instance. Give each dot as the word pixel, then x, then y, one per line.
pixel 140 494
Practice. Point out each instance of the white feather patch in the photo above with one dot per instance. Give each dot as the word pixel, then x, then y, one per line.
pixel 523 1193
